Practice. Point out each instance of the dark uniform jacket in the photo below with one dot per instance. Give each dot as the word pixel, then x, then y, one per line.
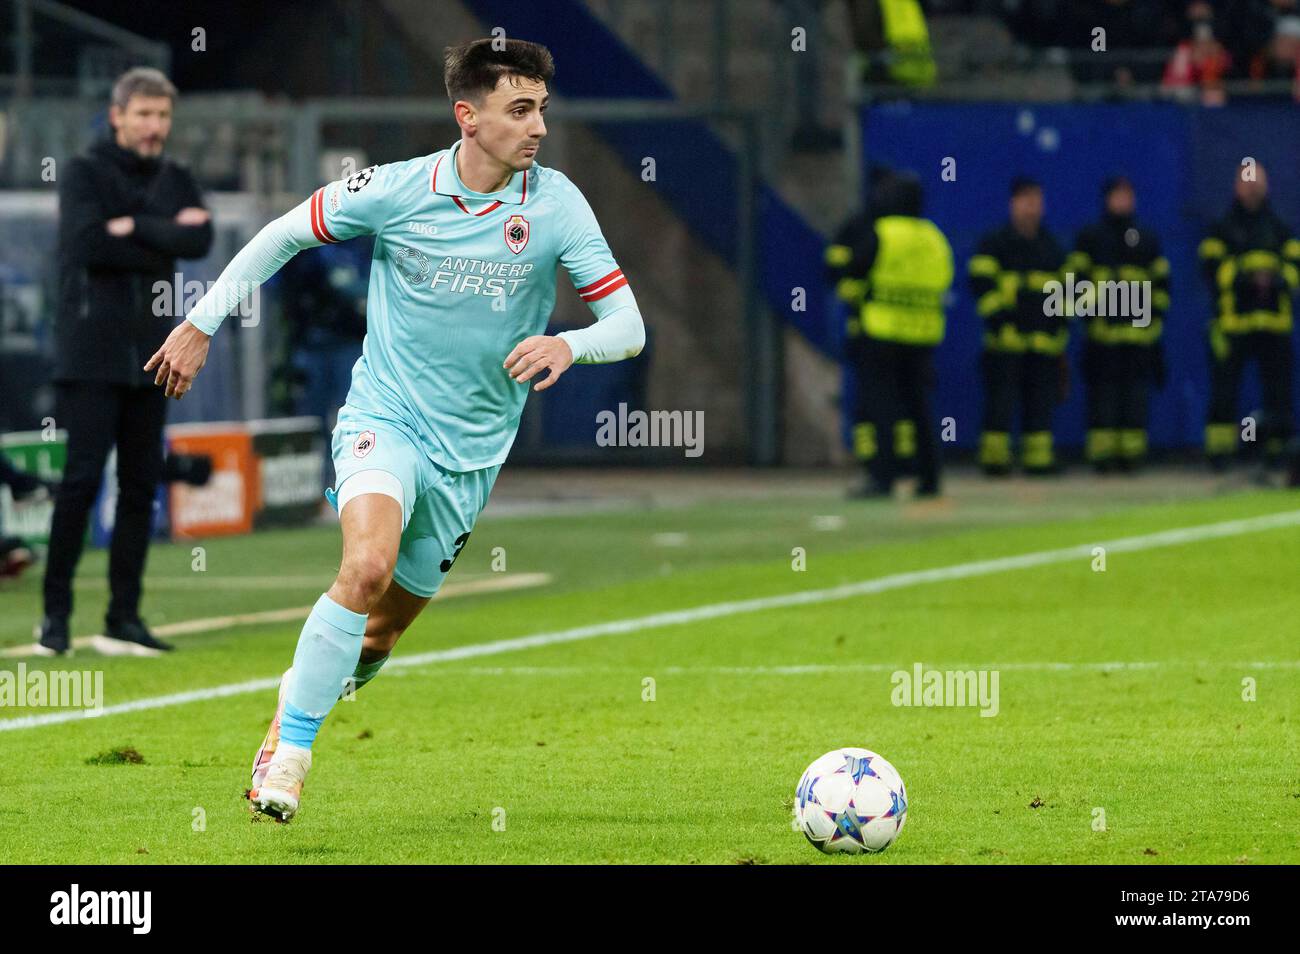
pixel 106 327
pixel 1251 262
pixel 1008 277
pixel 1117 249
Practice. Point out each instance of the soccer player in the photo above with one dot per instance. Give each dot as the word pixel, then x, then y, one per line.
pixel 461 287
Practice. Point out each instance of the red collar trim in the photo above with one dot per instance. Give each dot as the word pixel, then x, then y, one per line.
pixel 433 187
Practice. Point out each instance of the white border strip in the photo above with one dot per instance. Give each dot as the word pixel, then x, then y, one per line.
pixel 824 669
pixel 894 581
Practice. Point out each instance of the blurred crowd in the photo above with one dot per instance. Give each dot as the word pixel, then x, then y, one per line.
pixel 1186 48
pixel 1206 42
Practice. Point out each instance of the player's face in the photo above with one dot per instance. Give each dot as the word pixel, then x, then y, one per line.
pixel 511 124
pixel 143 126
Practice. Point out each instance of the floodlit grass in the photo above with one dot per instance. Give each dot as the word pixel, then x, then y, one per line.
pixel 682 743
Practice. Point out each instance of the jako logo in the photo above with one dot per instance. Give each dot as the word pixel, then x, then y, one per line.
pixel 103 907
pixel 651 429
pixel 950 687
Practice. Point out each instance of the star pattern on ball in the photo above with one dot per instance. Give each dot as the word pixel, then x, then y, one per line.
pixel 848 824
pixel 897 809
pixel 858 767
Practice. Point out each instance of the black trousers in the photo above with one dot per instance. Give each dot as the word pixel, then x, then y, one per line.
pixel 1272 354
pixel 894 382
pixel 98 416
pixel 1119 379
pixel 1023 384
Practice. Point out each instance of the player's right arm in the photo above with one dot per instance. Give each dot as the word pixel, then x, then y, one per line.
pixel 335 212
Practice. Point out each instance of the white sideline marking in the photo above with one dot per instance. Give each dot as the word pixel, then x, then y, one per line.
pixel 894 581
pixel 821 669
pixel 113 647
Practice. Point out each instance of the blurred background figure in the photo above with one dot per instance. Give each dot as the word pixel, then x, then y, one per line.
pixel 1024 347
pixel 1280 59
pixel 15 554
pixel 1200 62
pixel 893 268
pixel 1122 357
pixel 125 215
pixel 1250 260
pixel 892 42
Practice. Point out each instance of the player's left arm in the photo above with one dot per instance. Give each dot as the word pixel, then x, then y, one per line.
pixel 618 331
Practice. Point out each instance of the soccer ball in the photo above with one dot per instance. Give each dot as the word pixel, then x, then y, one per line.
pixel 851 801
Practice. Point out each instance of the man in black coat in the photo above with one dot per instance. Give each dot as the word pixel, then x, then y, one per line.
pixel 125 215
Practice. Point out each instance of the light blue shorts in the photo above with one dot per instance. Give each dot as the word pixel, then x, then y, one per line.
pixel 439 506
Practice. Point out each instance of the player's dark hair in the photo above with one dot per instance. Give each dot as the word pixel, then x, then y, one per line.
pixel 472 69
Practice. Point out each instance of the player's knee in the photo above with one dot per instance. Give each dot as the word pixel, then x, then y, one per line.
pixel 364 576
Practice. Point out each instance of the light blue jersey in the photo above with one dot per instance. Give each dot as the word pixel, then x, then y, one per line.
pixel 458 279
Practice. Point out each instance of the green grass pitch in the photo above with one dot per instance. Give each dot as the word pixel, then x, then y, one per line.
pixel 556 754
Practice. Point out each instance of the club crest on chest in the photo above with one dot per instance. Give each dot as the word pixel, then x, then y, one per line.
pixel 516 231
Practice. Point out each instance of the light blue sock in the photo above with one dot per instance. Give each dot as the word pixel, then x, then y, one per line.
pixel 327 654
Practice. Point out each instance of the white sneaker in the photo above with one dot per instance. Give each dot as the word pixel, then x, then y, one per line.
pixel 280 791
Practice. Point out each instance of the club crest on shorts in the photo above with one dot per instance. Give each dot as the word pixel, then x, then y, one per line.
pixel 364 444
pixel 516 233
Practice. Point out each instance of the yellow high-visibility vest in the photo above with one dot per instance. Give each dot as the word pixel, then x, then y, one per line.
pixel 912 272
pixel 908 38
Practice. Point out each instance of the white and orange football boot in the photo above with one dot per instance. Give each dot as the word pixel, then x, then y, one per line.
pixel 286 789
pixel 280 791
pixel 262 760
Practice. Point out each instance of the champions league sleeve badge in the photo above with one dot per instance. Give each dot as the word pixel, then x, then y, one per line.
pixel 359 180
